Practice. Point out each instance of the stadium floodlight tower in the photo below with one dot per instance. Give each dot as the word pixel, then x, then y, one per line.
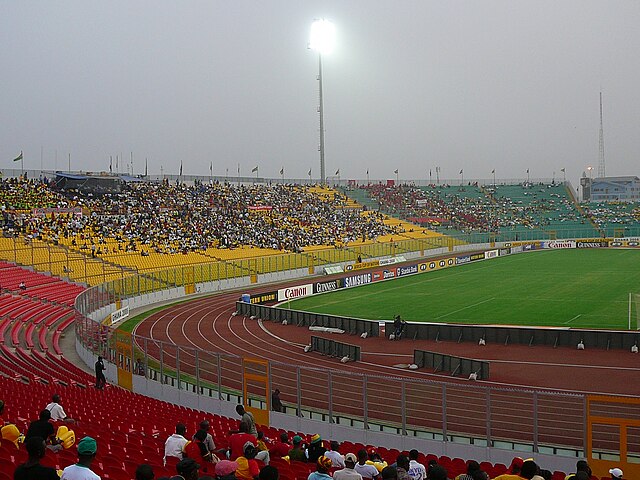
pixel 322 40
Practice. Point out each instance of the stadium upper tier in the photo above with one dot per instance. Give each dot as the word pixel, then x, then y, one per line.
pixel 533 210
pixel 151 226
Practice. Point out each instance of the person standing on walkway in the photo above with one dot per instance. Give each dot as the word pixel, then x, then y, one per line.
pixel 101 381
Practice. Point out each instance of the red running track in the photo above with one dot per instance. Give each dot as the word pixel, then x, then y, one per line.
pixel 207 323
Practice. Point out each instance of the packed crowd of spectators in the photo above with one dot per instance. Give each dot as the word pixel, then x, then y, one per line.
pixel 471 208
pixel 180 218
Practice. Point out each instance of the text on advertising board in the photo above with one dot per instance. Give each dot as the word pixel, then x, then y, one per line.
pixel 322 287
pixel 298 291
pixel 357 280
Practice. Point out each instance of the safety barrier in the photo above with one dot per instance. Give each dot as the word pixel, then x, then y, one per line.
pixel 549 336
pixel 352 326
pixel 332 348
pixel 457 366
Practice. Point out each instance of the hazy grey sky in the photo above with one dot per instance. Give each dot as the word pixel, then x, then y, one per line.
pixel 471 85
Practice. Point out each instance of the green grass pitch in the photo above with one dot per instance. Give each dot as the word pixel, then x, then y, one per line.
pixel 577 288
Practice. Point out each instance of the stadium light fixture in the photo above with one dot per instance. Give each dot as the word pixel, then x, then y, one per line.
pixel 323 37
pixel 322 40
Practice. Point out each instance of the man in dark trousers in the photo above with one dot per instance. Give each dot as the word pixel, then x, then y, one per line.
pixel 100 378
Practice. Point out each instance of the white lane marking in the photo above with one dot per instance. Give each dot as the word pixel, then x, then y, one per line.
pixel 574 318
pixel 465 308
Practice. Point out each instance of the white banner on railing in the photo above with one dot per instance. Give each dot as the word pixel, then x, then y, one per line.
pixel 119 315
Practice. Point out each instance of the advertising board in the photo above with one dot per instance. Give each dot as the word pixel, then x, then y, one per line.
pixel 298 291
pixel 357 280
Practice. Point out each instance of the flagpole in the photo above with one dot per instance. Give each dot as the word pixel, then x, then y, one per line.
pixel 41 156
pixel 368 182
pixel 494 177
pixel 22 162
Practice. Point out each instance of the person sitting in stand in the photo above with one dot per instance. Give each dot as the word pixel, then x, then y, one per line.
pixel 316 449
pixel 323 465
pixel 375 459
pixel 22 286
pixel 337 460
pixel 248 468
pixel 32 469
pixel 197 449
pixel 297 452
pixel 280 448
pixel 365 469
pixel 43 428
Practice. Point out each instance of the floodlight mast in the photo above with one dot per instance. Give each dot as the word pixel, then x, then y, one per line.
pixel 321 40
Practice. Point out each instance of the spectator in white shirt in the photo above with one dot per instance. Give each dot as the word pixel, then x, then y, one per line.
pixel 337 460
pixel 175 443
pixel 57 412
pixel 416 469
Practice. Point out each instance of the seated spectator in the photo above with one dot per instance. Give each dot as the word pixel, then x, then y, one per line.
pixel 365 469
pixel 187 470
pixel 22 286
pixel 416 469
pixel 514 470
pixel 616 473
pixel 375 459
pixel 248 468
pixel 204 425
pixel 174 445
pixel 31 469
pixel 144 472
pixel 87 449
pixel 239 439
pixel 2 421
pixel 316 449
pixel 348 472
pixel 581 466
pixel 389 473
pixel 323 465
pixel 269 473
pixel 198 450
pixel 402 467
pixel 226 470
pixel 529 469
pixel 280 448
pixel 262 442
pixel 337 460
pixel 297 452
pixel 472 468
pixel 57 412
pixel 43 428
pixel 438 473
